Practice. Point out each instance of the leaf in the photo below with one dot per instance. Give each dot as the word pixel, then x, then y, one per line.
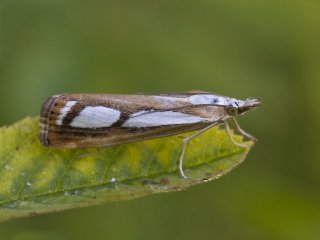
pixel 35 179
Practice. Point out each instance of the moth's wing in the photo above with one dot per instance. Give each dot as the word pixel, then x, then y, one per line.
pixel 115 136
pixel 188 93
pixel 67 136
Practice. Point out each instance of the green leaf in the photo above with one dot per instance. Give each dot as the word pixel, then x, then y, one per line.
pixel 35 179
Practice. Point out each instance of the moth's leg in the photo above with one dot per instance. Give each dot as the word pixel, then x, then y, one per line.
pixel 242 131
pixel 185 142
pixel 230 137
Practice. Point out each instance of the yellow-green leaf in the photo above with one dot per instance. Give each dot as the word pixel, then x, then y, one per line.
pixel 35 179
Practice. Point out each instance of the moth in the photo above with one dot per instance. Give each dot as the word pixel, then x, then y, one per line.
pixel 99 120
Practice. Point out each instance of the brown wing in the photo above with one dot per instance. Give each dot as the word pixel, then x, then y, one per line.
pixel 66 136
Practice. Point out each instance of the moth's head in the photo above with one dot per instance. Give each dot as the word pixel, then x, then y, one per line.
pixel 233 106
pixel 238 107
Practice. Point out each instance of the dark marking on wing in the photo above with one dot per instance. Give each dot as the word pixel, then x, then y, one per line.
pixel 73 112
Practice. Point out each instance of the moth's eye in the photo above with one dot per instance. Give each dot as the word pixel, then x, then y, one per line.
pixel 232 111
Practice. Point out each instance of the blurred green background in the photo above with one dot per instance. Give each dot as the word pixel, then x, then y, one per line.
pixel 266 49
